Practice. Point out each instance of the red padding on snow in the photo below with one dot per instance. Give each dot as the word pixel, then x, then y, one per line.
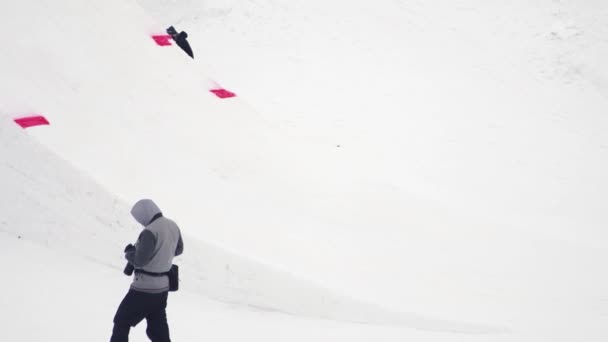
pixel 29 121
pixel 222 93
pixel 162 40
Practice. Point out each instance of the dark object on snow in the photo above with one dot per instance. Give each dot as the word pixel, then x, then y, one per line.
pixel 180 40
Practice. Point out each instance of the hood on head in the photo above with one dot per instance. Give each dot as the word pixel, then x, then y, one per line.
pixel 144 211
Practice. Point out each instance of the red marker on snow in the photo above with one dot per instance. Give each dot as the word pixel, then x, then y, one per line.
pixel 162 40
pixel 30 121
pixel 222 93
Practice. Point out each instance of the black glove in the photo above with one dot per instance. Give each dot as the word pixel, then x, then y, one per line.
pixel 129 248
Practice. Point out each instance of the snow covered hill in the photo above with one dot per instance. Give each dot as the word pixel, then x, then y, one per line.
pixel 435 168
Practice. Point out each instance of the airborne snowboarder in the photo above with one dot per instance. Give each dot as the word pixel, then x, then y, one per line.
pixel 180 40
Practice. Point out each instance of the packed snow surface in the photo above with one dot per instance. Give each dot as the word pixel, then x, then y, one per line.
pixel 390 170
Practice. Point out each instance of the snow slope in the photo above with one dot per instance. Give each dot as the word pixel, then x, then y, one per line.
pixel 62 234
pixel 483 118
pixel 390 153
pixel 501 105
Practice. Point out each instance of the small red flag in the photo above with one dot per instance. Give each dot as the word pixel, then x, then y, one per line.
pixel 162 40
pixel 222 93
pixel 34 120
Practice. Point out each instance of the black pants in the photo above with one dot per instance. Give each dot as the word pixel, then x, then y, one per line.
pixel 134 308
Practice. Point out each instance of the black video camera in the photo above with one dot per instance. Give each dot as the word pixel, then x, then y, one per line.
pixel 129 268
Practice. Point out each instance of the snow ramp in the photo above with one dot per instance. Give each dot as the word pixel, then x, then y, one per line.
pixel 139 119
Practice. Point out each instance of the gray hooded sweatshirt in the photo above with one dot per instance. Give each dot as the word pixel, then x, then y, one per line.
pixel 158 243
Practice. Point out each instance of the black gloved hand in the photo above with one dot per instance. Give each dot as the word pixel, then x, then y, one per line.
pixel 129 248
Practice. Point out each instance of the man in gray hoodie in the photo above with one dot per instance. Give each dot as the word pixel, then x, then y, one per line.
pixel 152 257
